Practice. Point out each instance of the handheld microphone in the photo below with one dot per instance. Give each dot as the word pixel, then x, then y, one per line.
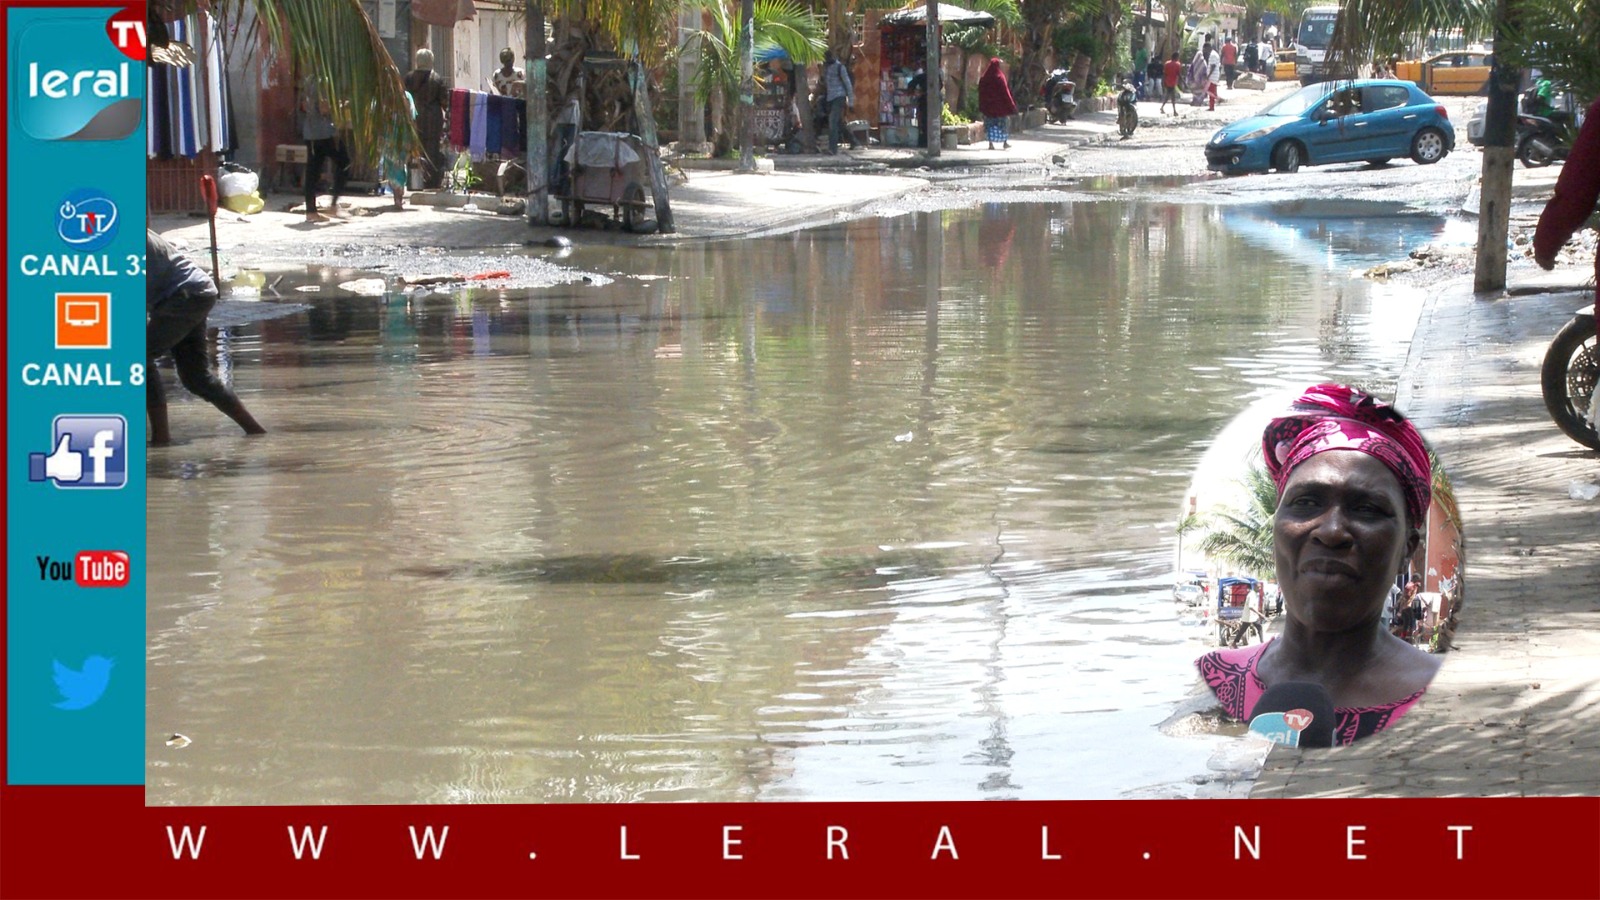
pixel 1296 714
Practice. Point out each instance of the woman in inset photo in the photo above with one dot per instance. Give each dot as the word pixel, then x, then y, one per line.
pixel 1354 487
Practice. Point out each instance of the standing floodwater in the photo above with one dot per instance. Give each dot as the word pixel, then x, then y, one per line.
pixel 882 510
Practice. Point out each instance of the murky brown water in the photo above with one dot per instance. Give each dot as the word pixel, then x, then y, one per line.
pixel 808 517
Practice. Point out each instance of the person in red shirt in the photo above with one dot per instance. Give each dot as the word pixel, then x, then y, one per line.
pixel 1577 192
pixel 1230 60
pixel 1170 73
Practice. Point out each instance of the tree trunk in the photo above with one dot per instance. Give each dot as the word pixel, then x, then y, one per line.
pixel 802 102
pixel 1105 37
pixel 538 97
pixel 932 84
pixel 1037 28
pixel 747 86
pixel 1494 199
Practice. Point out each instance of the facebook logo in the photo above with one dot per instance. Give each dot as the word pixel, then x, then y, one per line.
pixel 88 452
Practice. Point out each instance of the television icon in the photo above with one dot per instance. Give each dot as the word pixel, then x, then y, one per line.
pixel 83 321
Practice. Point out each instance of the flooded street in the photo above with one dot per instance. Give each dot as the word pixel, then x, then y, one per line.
pixel 879 510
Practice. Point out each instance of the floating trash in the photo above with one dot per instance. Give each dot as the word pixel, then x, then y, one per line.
pixel 365 287
pixel 178 741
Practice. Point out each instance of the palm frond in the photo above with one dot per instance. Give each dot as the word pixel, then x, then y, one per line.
pixel 1364 25
pixel 334 41
pixel 1558 37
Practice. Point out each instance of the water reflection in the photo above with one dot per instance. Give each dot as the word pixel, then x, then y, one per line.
pixel 879 510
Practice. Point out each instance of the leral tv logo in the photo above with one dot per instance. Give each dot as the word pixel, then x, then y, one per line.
pixel 78 79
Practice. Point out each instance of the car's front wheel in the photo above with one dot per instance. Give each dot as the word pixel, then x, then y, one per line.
pixel 1286 157
pixel 1428 146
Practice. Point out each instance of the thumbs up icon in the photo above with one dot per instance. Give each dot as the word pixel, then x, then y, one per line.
pixel 64 465
pixel 91 451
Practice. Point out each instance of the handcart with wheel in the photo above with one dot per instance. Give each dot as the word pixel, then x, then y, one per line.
pixel 605 168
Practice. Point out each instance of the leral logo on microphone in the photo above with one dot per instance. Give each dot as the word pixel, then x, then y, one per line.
pixel 71 83
pixel 1282 727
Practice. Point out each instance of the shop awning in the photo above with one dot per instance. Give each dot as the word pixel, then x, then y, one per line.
pixel 444 13
pixel 948 15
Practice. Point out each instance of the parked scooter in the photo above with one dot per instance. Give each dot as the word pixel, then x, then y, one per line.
pixel 1541 141
pixel 1571 370
pixel 1059 99
pixel 1127 112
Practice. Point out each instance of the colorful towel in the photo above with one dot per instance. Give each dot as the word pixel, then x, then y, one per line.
pixel 478 126
pixel 458 117
pixel 496 117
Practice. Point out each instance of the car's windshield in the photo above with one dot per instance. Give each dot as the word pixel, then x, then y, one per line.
pixel 1316 31
pixel 1298 102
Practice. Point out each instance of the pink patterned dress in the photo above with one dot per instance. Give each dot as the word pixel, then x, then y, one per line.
pixel 1231 675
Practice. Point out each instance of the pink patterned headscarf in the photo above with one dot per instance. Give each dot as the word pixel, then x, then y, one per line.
pixel 1336 417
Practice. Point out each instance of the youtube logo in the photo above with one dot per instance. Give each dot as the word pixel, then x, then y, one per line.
pixel 100 568
pixel 90 569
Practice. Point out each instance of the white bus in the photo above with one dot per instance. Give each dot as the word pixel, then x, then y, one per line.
pixel 1311 43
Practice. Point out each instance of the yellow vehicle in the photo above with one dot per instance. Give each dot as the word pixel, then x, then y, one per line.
pixel 1461 72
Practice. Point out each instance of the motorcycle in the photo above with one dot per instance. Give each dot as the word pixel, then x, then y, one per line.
pixel 1541 141
pixel 1571 370
pixel 1058 96
pixel 1127 112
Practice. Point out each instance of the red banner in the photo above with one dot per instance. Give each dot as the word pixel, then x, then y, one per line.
pixel 60 842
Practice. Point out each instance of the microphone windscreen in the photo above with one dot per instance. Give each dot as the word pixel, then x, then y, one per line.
pixel 1281 714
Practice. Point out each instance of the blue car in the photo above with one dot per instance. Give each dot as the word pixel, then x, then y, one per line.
pixel 1333 122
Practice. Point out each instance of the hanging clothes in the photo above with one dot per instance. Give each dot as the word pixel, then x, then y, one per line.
pixel 190 109
pixel 478 126
pixel 460 101
pixel 492 141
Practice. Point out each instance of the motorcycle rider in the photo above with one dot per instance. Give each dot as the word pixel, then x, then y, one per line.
pixel 1577 192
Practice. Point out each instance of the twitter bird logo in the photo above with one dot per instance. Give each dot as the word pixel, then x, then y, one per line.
pixel 82 688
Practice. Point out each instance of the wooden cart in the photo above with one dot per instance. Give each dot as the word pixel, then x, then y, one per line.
pixel 606 168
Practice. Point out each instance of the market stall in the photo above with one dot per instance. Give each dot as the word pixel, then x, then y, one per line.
pixel 902 52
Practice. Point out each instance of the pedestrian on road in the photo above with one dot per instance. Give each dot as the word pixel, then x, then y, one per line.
pixel 996 104
pixel 1198 72
pixel 840 93
pixel 323 143
pixel 395 163
pixel 1230 61
pixel 1577 193
pixel 1213 76
pixel 1170 73
pixel 1252 56
pixel 430 94
pixel 177 297
pixel 1353 480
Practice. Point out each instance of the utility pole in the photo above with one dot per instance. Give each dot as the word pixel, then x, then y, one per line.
pixel 1494 198
pixel 538 162
pixel 933 85
pixel 747 86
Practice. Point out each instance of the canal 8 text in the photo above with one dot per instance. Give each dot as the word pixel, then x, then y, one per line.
pixel 431 842
pixel 79 375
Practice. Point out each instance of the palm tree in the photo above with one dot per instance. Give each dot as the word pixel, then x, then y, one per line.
pixel 335 42
pixel 1242 537
pixel 782 24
